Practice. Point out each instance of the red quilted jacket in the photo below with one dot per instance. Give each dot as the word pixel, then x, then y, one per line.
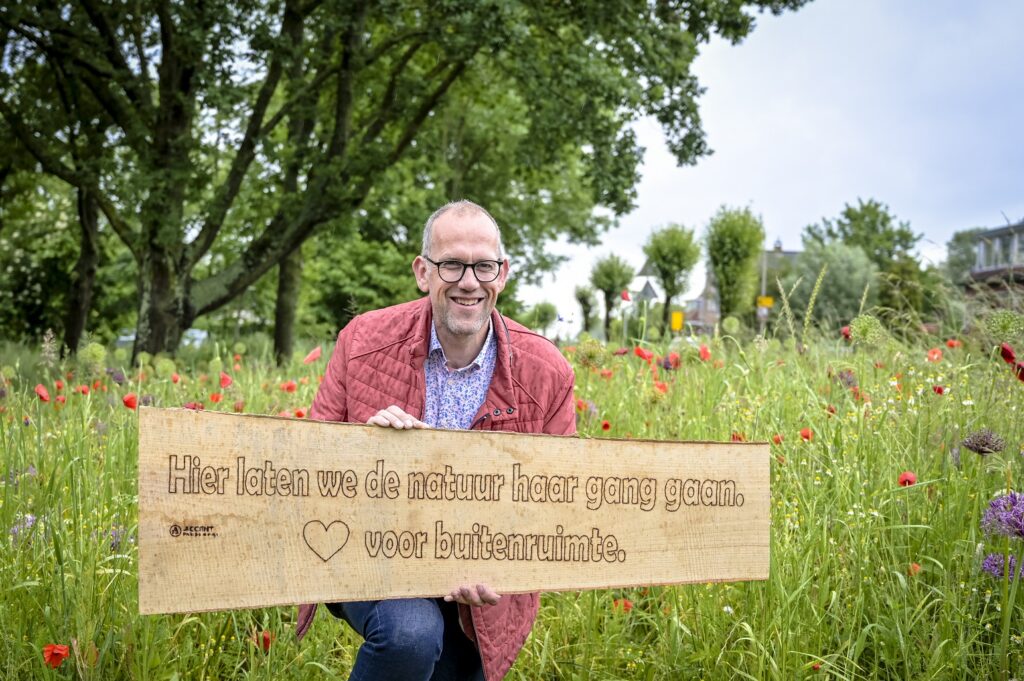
pixel 378 361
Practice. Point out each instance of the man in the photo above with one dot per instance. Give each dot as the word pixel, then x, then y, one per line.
pixel 448 360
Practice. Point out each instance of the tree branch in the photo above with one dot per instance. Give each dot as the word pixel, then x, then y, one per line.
pixel 291 26
pixel 58 169
pixel 136 89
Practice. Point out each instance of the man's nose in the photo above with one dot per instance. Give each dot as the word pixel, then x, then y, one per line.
pixel 469 280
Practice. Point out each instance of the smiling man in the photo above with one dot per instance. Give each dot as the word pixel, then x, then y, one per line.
pixel 448 360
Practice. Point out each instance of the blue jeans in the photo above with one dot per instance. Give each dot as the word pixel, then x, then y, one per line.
pixel 410 639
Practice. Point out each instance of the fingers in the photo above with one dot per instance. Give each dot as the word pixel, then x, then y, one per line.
pixel 478 595
pixel 394 417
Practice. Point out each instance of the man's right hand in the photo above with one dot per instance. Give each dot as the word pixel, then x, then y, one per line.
pixel 394 417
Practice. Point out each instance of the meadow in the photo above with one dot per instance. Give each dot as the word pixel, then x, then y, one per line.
pixel 886 560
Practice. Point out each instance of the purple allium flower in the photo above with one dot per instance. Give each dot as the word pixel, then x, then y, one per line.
pixel 848 379
pixel 1005 516
pixel 984 442
pixel 27 421
pixel 3 392
pixel 995 565
pixel 116 375
pixel 147 400
pixel 23 526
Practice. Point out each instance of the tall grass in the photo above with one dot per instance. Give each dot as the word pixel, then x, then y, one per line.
pixel 868 580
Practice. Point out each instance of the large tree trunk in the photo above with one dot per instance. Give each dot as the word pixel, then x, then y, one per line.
pixel 165 311
pixel 84 276
pixel 289 282
pixel 667 328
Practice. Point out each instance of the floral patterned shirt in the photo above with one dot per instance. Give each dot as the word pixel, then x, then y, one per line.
pixel 455 395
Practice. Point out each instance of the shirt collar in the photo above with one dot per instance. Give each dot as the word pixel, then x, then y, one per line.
pixel 435 346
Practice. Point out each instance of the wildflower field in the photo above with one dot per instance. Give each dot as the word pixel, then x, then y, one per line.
pixel 896 531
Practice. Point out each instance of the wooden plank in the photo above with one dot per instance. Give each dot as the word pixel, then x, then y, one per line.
pixel 241 511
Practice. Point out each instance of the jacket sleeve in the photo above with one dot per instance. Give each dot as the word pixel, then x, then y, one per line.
pixel 330 403
pixel 561 416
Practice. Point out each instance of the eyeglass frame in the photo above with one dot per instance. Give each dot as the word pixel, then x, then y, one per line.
pixel 465 266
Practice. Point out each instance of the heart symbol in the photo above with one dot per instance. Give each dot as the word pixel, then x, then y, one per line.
pixel 325 540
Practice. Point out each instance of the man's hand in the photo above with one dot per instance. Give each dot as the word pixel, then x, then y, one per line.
pixel 467 594
pixel 394 417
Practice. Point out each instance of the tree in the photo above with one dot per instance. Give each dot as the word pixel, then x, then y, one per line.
pixel 848 272
pixel 961 255
pixel 735 241
pixel 543 316
pixel 611 276
pixel 585 297
pixel 327 98
pixel 870 226
pixel 672 252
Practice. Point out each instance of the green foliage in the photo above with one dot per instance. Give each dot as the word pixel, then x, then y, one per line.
pixel 672 251
pixel 587 302
pixel 849 272
pixel 542 316
pixel 887 243
pixel 961 255
pixel 735 241
pixel 611 275
pixel 868 330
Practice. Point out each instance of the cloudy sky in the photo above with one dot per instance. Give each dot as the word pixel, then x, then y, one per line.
pixel 918 104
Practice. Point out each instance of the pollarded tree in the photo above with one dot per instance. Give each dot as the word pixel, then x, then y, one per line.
pixel 611 276
pixel 327 98
pixel 848 273
pixel 542 316
pixel 585 297
pixel 735 242
pixel 672 252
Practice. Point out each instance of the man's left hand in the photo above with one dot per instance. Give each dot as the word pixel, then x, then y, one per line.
pixel 468 594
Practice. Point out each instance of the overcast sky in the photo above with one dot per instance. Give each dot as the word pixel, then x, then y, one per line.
pixel 918 104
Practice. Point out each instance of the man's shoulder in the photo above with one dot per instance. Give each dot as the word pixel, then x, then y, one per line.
pixel 376 328
pixel 536 351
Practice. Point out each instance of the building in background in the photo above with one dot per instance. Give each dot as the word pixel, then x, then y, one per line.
pixel 999 261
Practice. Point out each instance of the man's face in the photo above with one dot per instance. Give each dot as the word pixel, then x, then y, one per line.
pixel 462 308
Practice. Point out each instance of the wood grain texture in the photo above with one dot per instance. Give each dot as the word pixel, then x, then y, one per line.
pixel 237 511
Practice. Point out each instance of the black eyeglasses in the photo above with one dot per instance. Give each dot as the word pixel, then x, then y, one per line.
pixel 451 271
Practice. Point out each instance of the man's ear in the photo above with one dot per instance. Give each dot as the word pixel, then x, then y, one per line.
pixel 420 269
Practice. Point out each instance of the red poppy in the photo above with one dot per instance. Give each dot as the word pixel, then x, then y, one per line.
pixel 225 380
pixel 1018 368
pixel 934 355
pixel 846 332
pixel 913 569
pixel 42 392
pixel 619 352
pixel 59 384
pixel 237 357
pixel 807 434
pixel 216 397
pixel 738 437
pixel 816 666
pixel 54 655
pixel 194 406
pixel 953 343
pixel 938 389
pixel 673 360
pixel 831 409
pixel 606 373
pixel 605 425
pixel 907 478
pixel 263 640
pixel 625 295
pixel 623 604
pixel 130 400
pixel 1006 352
pixel 61 399
pixel 777 438
pixel 289 386
pixel 581 404
pixel 96 384
pixel 238 367
pixel 175 378
pixel 239 407
pixel 661 386
pixel 313 355
pixel 705 353
pixel 83 389
pixel 645 355
pixel 300 413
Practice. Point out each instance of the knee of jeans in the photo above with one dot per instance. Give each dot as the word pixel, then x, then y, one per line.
pixel 417 635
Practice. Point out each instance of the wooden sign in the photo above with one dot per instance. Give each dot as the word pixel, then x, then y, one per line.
pixel 250 511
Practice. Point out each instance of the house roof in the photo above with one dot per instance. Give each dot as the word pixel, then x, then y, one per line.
pixel 1001 231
